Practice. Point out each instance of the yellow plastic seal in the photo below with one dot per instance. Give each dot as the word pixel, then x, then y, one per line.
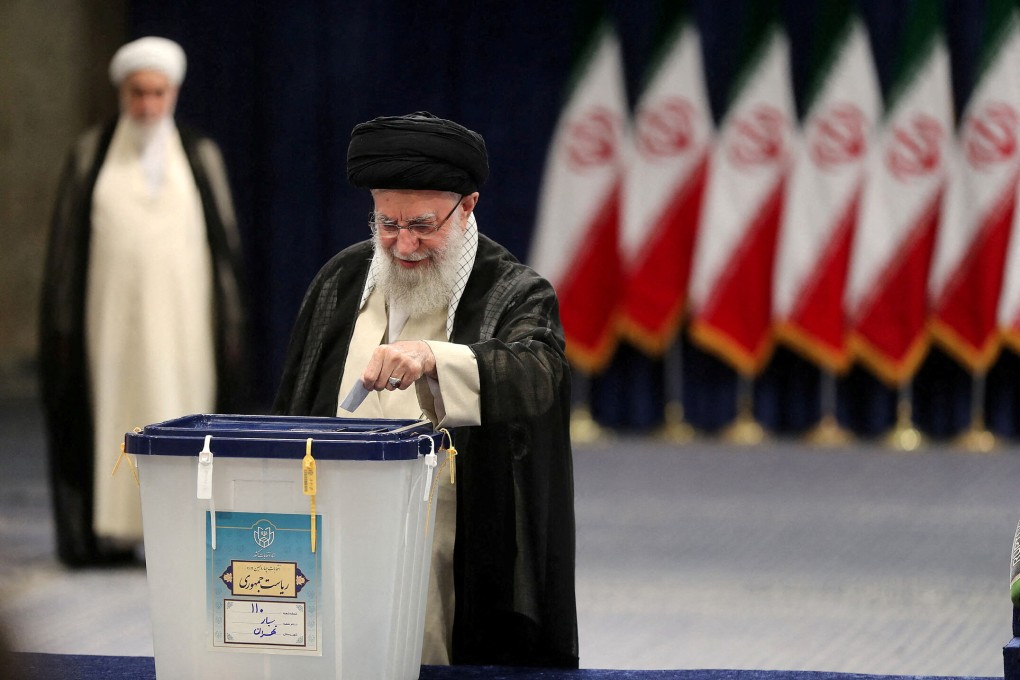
pixel 308 482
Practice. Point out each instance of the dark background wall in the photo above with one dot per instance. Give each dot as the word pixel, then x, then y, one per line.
pixel 53 83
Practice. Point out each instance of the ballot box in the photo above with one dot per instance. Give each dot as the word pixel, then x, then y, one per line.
pixel 286 547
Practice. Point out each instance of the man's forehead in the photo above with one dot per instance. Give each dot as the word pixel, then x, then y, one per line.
pixel 423 202
pixel 147 79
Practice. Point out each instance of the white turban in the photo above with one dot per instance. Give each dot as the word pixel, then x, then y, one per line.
pixel 149 54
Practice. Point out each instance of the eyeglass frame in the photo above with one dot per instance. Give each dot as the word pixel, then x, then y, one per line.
pixel 373 223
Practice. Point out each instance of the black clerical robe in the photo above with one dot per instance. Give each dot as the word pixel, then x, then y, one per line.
pixel 514 552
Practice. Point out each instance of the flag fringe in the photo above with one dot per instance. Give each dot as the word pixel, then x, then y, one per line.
pixel 653 342
pixel 975 359
pixel 1010 338
pixel 806 343
pixel 734 353
pixel 895 373
pixel 592 359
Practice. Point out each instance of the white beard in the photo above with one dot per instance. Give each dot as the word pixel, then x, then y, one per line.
pixel 144 135
pixel 150 140
pixel 426 288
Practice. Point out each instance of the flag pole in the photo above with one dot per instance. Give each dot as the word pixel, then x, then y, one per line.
pixel 675 429
pixel 904 436
pixel 828 431
pixel 583 427
pixel 977 438
pixel 744 429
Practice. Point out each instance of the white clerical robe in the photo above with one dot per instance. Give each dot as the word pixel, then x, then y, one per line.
pixel 149 320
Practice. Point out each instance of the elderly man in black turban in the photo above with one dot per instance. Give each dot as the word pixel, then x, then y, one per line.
pixel 435 320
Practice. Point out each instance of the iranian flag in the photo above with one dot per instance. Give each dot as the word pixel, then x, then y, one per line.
pixel 664 183
pixel 980 203
pixel 892 253
pixel 576 241
pixel 843 104
pixel 731 281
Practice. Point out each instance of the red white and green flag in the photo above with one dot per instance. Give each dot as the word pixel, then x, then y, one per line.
pixel 980 204
pixel 576 241
pixel 843 104
pixel 664 184
pixel 892 253
pixel 731 281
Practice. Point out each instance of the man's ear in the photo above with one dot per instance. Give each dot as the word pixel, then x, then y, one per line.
pixel 468 203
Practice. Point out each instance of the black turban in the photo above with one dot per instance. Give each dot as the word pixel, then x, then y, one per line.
pixel 416 151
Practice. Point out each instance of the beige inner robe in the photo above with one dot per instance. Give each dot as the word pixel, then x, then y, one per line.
pixel 455 403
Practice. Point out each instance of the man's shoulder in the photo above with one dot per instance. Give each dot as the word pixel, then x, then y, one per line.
pixel 359 251
pixel 342 272
pixel 88 145
pixel 493 255
pixel 502 265
pixel 349 261
pixel 198 144
pixel 191 134
pixel 88 142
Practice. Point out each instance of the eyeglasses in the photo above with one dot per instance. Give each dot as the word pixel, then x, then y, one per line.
pixel 420 228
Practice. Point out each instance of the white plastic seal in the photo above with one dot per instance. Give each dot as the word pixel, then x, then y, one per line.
pixel 431 460
pixel 204 484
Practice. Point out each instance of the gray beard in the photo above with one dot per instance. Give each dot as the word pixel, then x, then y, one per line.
pixel 427 288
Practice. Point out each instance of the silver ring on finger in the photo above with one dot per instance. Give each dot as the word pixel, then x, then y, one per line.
pixel 395 382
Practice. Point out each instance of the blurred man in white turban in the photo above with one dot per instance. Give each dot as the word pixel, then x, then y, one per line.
pixel 141 314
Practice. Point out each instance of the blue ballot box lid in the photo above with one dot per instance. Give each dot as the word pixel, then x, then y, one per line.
pixel 249 436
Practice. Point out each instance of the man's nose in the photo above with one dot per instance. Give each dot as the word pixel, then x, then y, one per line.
pixel 407 242
pixel 151 105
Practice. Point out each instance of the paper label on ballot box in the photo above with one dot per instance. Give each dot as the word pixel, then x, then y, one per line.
pixel 264 582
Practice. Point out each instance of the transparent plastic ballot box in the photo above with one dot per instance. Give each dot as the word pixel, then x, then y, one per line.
pixel 287 547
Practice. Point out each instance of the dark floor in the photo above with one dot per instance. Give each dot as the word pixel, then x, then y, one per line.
pixel 779 556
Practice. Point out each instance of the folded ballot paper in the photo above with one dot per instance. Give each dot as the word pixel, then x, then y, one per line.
pixel 354 398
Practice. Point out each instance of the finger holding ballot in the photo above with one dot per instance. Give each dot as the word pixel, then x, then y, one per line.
pixel 399 365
